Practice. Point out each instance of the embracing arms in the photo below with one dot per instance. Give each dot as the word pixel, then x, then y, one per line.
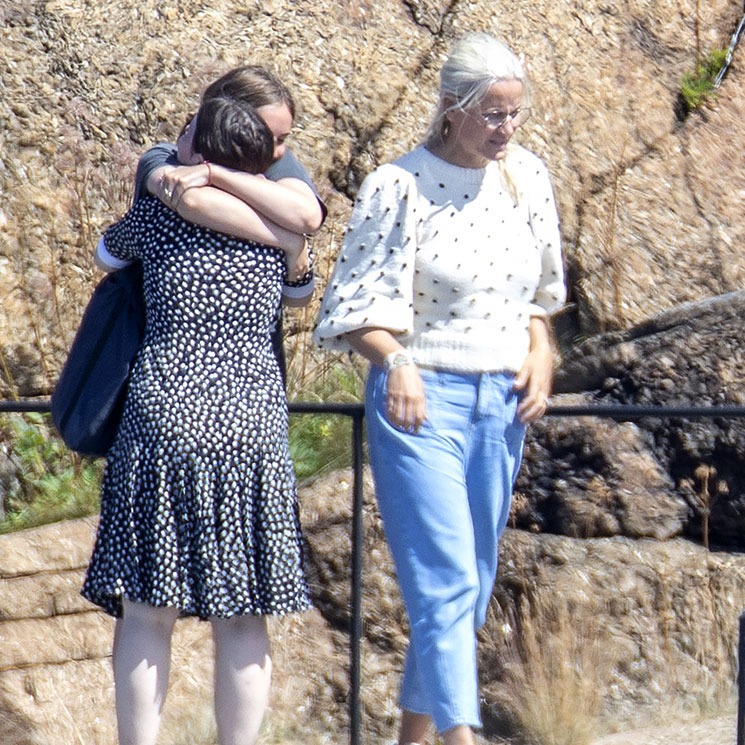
pixel 241 198
pixel 186 190
pixel 281 215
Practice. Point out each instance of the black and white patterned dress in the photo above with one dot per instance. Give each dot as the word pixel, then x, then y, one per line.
pixel 199 508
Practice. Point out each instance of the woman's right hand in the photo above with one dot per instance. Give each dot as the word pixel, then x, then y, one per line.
pixel 406 403
pixel 177 180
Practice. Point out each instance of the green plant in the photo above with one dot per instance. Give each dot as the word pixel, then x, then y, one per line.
pixel 697 86
pixel 46 482
pixel 322 442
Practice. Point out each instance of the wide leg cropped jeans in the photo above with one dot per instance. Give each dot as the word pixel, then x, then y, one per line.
pixel 444 496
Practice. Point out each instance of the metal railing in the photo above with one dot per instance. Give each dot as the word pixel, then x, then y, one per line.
pixel 356 411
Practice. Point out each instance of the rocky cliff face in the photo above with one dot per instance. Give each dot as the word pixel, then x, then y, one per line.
pixel 652 477
pixel 649 201
pixel 609 517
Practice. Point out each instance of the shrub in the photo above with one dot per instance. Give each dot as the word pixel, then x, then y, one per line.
pixel 44 481
pixel 322 442
pixel 697 86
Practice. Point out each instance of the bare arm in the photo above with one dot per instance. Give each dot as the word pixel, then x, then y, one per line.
pixel 406 404
pixel 216 209
pixel 535 376
pixel 288 202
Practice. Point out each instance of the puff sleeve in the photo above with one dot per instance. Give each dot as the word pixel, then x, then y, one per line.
pixel 544 222
pixel 372 282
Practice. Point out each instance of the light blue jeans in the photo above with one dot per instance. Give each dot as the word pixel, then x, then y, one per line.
pixel 444 495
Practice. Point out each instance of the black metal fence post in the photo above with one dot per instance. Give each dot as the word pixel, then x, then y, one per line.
pixel 357 414
pixel 741 683
pixel 357 544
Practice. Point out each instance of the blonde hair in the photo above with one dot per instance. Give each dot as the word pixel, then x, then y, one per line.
pixel 475 63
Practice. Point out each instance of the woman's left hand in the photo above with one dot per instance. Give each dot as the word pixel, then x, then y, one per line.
pixel 535 376
pixel 297 259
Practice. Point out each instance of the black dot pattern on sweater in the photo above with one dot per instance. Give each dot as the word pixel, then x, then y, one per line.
pixel 471 260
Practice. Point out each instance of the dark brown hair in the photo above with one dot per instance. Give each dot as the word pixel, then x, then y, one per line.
pixel 230 133
pixel 252 84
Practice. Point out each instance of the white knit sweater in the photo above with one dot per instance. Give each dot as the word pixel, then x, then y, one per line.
pixel 443 258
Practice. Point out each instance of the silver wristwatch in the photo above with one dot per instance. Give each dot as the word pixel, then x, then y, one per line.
pixel 399 358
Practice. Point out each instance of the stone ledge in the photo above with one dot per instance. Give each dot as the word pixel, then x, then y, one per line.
pixel 43 596
pixel 55 640
pixel 56 547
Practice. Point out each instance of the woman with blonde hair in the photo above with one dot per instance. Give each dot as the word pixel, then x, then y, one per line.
pixel 449 268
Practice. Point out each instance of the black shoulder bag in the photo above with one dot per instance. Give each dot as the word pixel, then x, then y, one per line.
pixel 88 399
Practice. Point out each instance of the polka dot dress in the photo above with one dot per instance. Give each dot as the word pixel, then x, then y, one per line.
pixel 199 508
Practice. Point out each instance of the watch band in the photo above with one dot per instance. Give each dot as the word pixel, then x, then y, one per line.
pixel 398 358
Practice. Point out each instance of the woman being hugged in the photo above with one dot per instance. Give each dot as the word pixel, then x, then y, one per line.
pixel 198 504
pixel 449 268
pixel 279 207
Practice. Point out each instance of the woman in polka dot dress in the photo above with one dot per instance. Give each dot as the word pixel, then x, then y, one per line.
pixel 199 514
pixel 449 267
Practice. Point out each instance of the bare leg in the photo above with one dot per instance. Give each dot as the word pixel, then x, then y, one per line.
pixel 243 671
pixel 142 659
pixel 460 735
pixel 413 727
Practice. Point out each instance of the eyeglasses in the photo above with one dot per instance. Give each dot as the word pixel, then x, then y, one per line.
pixel 498 119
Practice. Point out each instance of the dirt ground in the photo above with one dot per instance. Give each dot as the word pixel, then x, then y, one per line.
pixel 718 731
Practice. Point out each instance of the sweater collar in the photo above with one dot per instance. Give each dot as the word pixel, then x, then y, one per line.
pixel 450 172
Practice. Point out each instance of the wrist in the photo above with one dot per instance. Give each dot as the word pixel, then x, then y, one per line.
pixel 296 243
pixel 397 358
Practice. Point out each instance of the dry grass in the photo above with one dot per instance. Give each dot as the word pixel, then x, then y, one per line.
pixel 557 667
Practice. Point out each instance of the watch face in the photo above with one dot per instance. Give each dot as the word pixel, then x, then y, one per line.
pixel 398 360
